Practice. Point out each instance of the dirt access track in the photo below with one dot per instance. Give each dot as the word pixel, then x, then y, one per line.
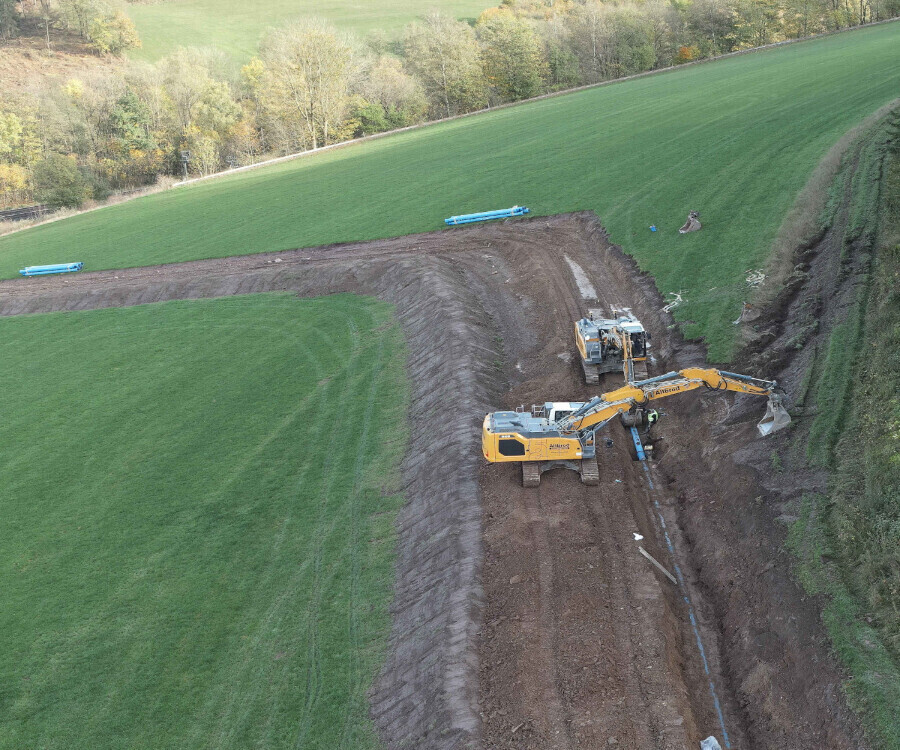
pixel 528 618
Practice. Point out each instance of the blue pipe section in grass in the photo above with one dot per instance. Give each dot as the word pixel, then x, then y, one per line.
pixel 503 213
pixel 54 268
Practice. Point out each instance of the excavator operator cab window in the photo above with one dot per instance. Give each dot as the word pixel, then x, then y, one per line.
pixel 510 447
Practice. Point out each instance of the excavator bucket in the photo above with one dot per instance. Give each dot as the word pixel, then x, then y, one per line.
pixel 776 417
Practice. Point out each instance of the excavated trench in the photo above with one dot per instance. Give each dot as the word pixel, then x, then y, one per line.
pixel 528 618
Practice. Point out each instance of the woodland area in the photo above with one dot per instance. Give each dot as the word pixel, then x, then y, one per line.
pixel 199 111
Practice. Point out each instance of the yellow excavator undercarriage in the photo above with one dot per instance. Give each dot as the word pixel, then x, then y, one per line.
pixel 564 434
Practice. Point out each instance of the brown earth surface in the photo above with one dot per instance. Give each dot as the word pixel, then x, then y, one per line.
pixel 528 618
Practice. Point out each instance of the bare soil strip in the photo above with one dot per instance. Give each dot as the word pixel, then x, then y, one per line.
pixel 528 619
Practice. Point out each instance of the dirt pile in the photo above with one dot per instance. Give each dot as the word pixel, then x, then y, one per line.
pixel 527 619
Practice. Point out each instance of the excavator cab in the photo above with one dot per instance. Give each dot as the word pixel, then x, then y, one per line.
pixel 637 337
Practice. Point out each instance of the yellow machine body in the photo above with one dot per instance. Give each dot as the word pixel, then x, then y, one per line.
pixel 523 444
pixel 607 344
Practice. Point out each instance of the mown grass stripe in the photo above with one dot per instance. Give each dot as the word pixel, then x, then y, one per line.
pixel 158 573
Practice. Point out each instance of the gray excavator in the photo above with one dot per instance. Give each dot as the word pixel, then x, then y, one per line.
pixel 611 342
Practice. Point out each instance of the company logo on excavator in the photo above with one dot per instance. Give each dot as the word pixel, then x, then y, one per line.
pixel 559 446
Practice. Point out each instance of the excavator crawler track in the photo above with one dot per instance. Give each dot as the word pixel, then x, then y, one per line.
pixel 640 371
pixel 590 473
pixel 531 473
pixel 591 373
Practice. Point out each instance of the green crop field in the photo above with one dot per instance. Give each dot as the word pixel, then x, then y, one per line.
pixel 236 26
pixel 735 139
pixel 196 540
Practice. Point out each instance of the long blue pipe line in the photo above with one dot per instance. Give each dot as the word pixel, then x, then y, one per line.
pixel 54 268
pixel 681 585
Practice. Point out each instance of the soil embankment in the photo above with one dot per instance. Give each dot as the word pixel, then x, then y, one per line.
pixel 745 494
pixel 528 619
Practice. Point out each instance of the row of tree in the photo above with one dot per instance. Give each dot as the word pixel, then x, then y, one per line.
pixel 196 110
pixel 102 25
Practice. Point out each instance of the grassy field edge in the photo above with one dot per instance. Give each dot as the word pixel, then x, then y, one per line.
pixel 846 543
pixel 736 140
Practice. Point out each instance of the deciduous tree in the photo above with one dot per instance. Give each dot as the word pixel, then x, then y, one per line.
pixel 444 54
pixel 59 183
pixel 9 19
pixel 13 184
pixel 305 82
pixel 512 56
pixel 399 95
pixel 113 33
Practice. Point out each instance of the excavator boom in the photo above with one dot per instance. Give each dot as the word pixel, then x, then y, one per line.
pixel 602 408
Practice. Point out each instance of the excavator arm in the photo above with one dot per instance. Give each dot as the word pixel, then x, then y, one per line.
pixel 603 408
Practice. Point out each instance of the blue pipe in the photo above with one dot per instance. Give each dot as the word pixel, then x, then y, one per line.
pixel 502 213
pixel 55 268
pixel 638 445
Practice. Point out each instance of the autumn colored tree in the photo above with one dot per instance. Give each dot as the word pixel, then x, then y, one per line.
pixel 513 58
pixel 444 54
pixel 113 33
pixel 305 83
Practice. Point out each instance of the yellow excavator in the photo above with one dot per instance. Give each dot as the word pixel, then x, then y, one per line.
pixel 607 344
pixel 563 434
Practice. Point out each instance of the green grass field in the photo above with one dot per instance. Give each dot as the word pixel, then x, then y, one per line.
pixel 736 139
pixel 237 27
pixel 196 522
